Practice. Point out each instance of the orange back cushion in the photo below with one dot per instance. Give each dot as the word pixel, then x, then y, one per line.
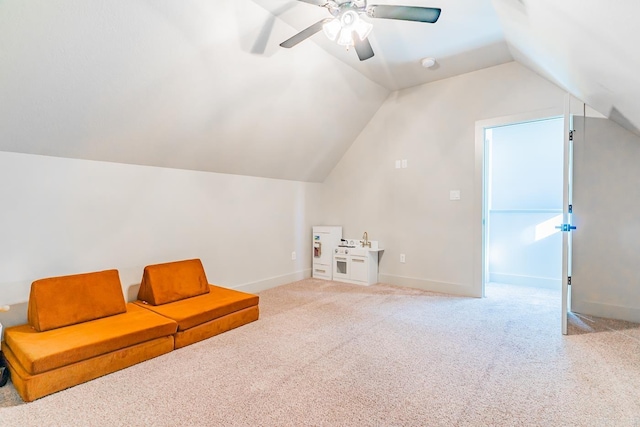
pixel 173 281
pixel 61 301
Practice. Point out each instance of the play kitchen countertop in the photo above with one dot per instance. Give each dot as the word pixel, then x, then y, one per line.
pixel 356 250
pixel 370 245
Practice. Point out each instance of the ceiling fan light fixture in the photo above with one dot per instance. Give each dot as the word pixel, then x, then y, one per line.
pixel 332 29
pixel 363 29
pixel 341 29
pixel 349 18
pixel 346 38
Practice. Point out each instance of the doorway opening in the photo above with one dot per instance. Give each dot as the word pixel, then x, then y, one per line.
pixel 523 201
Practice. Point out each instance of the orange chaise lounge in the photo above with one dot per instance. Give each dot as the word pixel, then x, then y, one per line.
pixel 180 291
pixel 80 328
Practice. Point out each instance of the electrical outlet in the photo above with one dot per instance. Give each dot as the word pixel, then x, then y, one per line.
pixel 454 195
pixel 404 163
pixel 398 162
pixel 293 256
pixel 402 258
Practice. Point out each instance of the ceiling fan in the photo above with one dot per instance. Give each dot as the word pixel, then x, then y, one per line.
pixel 348 29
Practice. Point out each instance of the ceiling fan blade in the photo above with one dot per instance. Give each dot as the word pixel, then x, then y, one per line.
pixel 363 48
pixel 404 13
pixel 304 34
pixel 260 44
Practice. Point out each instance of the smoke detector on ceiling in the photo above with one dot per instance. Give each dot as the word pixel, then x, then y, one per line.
pixel 428 62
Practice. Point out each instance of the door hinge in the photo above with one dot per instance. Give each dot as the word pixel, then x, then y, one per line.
pixel 568 280
pixel 570 208
pixel 571 135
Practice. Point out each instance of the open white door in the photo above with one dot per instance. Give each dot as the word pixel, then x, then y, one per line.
pixel 606 200
pixel 567 211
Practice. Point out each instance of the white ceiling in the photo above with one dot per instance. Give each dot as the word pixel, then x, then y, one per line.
pixel 203 85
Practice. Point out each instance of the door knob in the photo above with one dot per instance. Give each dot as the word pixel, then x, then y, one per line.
pixel 565 227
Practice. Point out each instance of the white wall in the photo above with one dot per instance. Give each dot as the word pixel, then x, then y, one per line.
pixel 408 210
pixel 65 216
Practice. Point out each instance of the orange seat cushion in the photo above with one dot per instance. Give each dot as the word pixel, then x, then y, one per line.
pixel 61 301
pixel 173 281
pixel 194 311
pixel 40 352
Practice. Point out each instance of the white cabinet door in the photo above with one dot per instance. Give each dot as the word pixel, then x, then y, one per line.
pixel 359 269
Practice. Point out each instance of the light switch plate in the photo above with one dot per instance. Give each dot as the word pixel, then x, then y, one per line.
pixel 402 258
pixel 398 164
pixel 404 163
pixel 454 195
pixel 293 256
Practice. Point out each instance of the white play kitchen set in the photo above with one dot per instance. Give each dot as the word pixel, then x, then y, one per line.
pixel 345 260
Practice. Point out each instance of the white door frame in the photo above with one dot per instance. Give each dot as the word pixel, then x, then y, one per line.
pixel 479 208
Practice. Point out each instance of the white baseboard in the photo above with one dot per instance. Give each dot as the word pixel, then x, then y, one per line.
pixel 428 285
pixel 272 282
pixel 609 311
pixel 531 281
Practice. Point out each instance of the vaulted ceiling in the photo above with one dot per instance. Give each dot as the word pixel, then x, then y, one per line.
pixel 203 85
pixel 589 48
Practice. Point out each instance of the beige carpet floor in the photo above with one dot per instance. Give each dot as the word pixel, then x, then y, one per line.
pixel 333 354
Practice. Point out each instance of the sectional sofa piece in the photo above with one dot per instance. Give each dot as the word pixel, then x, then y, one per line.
pixel 80 327
pixel 180 291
